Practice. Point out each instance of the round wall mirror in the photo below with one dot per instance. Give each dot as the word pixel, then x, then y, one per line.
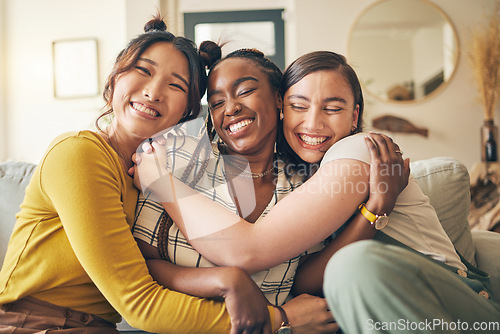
pixel 403 50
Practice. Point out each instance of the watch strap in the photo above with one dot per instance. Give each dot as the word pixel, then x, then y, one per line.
pixel 371 217
pixel 284 318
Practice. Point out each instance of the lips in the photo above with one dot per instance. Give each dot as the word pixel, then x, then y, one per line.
pixel 236 127
pixel 312 140
pixel 142 108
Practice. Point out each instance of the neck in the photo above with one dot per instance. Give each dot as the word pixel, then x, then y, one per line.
pixel 258 162
pixel 124 143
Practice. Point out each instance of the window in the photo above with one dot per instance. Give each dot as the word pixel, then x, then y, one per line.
pixel 260 29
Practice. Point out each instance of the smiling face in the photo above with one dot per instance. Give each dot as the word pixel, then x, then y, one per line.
pixel 318 111
pixel 243 106
pixel 153 94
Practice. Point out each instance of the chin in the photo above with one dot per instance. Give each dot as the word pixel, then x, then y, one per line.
pixel 311 157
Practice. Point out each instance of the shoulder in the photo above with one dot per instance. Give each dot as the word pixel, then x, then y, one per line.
pixel 350 147
pixel 75 143
pixel 73 151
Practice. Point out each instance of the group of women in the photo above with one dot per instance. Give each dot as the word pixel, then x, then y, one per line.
pixel 228 231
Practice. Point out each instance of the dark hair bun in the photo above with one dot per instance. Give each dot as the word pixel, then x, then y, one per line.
pixel 156 23
pixel 210 52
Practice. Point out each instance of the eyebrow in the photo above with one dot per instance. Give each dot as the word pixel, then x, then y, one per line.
pixel 328 99
pixel 152 62
pixel 236 83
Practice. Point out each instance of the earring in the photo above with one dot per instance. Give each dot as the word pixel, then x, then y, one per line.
pixel 281 114
pixel 353 130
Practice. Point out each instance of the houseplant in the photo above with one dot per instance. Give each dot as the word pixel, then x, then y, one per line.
pixel 485 60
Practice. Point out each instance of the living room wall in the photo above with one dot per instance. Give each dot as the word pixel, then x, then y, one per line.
pixel 31 117
pixel 453 116
pixel 3 77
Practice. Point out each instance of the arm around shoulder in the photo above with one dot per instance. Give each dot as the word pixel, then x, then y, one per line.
pixel 296 223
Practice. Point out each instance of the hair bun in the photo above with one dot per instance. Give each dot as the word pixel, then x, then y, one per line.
pixel 210 52
pixel 156 23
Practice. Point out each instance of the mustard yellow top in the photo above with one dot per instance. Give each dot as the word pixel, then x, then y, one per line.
pixel 72 245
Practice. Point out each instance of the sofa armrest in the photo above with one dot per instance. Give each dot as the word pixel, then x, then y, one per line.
pixel 487 245
pixel 14 177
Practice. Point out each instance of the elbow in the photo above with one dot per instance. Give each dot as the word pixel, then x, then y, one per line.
pixel 246 261
pixel 249 263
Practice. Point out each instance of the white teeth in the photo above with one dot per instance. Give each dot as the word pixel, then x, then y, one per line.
pixel 240 125
pixel 144 109
pixel 312 140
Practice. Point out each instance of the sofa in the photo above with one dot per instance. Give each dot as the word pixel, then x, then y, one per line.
pixel 444 180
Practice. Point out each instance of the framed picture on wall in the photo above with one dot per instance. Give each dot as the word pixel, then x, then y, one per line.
pixel 75 64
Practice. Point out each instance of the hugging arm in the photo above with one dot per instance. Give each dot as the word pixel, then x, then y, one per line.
pixel 286 231
pixel 246 305
pixel 384 190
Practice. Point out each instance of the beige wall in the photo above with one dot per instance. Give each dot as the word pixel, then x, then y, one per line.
pixel 3 77
pixel 31 117
pixel 453 117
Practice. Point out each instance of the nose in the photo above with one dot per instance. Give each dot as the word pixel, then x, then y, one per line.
pixel 153 91
pixel 233 108
pixel 312 120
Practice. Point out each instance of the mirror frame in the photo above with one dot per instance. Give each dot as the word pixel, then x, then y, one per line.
pixel 435 92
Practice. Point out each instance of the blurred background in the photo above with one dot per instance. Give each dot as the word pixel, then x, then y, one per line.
pixel 45 42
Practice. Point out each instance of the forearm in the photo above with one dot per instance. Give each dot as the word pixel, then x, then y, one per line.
pixel 210 282
pixel 227 240
pixel 243 298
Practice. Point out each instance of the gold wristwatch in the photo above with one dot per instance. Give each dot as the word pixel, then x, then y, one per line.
pixel 285 327
pixel 379 221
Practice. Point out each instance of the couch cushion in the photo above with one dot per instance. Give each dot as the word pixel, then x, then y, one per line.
pixel 14 177
pixel 446 182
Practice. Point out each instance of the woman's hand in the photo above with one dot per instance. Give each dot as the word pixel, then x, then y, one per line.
pixel 245 303
pixel 389 173
pixel 310 314
pixel 151 166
